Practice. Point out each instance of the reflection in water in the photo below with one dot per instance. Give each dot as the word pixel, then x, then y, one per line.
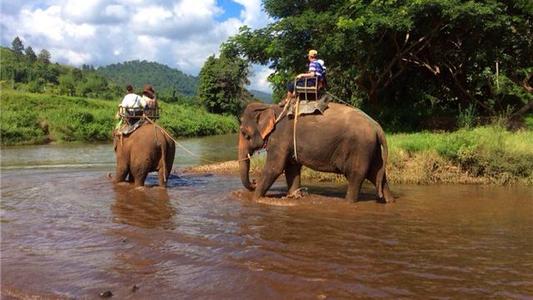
pixel 146 208
pixel 204 238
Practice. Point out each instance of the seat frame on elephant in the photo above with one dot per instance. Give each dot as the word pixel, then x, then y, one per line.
pixel 310 89
pixel 132 115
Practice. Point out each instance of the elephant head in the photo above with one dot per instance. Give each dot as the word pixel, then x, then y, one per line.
pixel 257 122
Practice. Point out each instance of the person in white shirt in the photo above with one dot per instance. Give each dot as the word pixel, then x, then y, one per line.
pixel 132 106
pixel 132 100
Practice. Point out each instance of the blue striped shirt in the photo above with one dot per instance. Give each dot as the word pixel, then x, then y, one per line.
pixel 316 67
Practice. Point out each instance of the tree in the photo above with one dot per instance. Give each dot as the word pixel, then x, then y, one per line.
pixel 67 84
pixel 44 56
pixel 30 55
pixel 221 84
pixel 378 52
pixel 17 46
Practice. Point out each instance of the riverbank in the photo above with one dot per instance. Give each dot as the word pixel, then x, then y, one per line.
pixel 483 155
pixel 28 118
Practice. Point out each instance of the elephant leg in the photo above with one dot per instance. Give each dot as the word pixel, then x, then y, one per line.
pixel 121 173
pixel 355 177
pixel 139 178
pixel 292 175
pixel 130 178
pixel 355 180
pixel 163 176
pixel 274 166
pixel 387 196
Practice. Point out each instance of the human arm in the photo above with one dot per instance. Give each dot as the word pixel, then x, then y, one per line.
pixel 308 74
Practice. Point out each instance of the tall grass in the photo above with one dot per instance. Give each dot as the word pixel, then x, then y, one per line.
pixel 490 152
pixel 39 118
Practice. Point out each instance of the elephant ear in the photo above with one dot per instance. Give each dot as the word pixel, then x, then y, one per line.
pixel 266 121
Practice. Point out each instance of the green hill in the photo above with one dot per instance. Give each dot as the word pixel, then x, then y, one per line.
pixel 29 118
pixel 166 80
pixel 265 97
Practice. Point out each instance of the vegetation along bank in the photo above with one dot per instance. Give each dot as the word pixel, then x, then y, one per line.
pixel 29 118
pixel 487 155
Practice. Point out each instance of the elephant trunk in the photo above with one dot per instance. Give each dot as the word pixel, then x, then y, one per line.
pixel 244 165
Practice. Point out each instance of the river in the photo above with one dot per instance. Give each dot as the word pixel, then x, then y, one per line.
pixel 67 232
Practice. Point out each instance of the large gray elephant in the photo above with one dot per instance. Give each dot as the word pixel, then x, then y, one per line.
pixel 342 140
pixel 145 150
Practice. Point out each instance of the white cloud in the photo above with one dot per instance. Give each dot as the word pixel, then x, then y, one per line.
pixel 252 15
pixel 258 80
pixel 181 34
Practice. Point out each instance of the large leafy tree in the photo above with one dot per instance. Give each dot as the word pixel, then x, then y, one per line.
pixel 221 83
pixel 17 46
pixel 44 56
pixel 434 55
pixel 30 55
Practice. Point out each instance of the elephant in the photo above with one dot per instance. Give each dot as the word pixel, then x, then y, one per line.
pixel 341 140
pixel 146 149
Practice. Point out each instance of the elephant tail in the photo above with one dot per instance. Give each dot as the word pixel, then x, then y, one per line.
pixel 380 178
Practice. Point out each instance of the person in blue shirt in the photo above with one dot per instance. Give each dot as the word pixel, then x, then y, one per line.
pixel 316 68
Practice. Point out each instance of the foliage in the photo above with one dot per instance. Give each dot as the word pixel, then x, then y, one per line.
pixel 39 118
pixel 169 84
pixel 379 52
pixel 27 72
pixel 30 55
pixel 483 151
pixel 17 46
pixel 466 117
pixel 44 57
pixel 221 84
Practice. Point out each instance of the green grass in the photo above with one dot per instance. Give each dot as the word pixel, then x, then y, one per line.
pixel 39 118
pixel 489 151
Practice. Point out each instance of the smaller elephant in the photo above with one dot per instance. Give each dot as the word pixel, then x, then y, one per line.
pixel 145 150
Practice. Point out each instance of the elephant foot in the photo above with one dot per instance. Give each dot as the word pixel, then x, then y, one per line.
pixel 298 193
pixel 387 196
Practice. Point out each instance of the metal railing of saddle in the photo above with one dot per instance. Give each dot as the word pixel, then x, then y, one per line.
pixel 310 87
pixel 128 113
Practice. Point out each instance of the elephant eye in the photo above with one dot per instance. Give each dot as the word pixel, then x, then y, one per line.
pixel 245 135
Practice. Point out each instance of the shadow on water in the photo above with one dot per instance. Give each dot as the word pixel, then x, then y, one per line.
pixel 177 181
pixel 146 208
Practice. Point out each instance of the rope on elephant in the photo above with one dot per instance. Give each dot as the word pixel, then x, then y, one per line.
pixel 177 143
pixel 294 127
pixel 287 104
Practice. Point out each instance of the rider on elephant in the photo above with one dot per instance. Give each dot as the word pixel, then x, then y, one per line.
pixel 150 99
pixel 316 68
pixel 131 107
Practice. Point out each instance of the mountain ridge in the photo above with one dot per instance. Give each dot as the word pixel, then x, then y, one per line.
pixel 166 80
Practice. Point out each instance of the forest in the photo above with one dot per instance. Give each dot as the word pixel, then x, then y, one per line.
pixel 25 71
pixel 410 64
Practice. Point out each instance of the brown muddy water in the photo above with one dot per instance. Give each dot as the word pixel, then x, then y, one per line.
pixel 67 232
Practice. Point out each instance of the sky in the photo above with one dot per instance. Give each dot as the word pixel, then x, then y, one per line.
pixel 179 33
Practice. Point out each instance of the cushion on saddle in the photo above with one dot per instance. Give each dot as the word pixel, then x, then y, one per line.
pixel 310 107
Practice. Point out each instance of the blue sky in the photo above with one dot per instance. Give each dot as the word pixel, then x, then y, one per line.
pixel 231 8
pixel 179 33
